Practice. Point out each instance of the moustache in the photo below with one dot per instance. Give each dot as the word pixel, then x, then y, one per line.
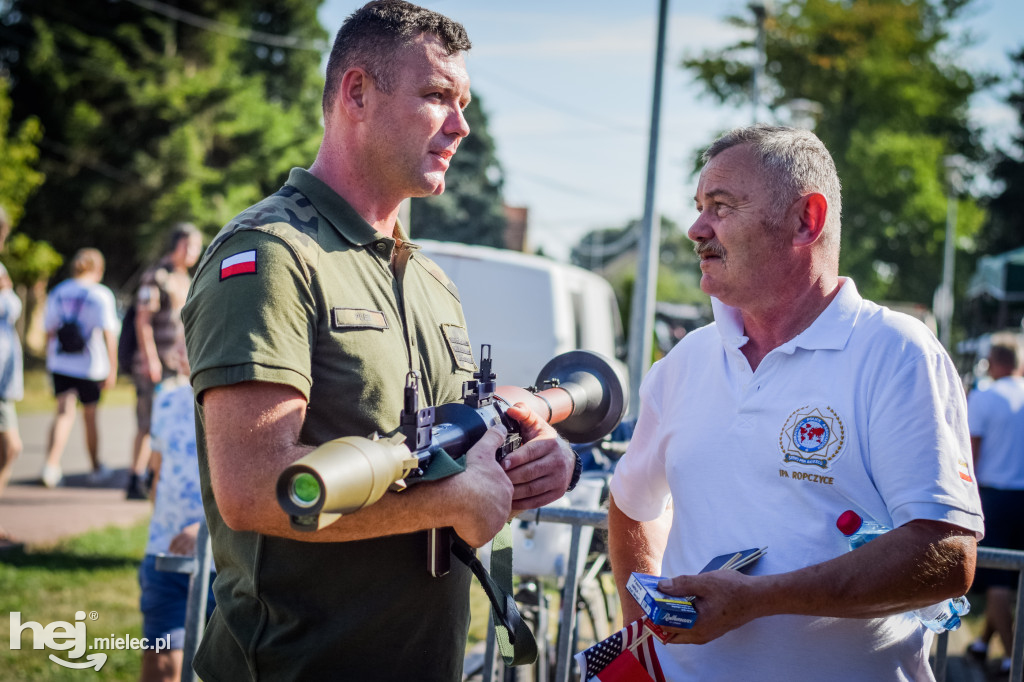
pixel 703 249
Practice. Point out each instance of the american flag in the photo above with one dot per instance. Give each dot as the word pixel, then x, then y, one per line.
pixel 626 656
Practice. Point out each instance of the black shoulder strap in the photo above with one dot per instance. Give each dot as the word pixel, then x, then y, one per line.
pixel 78 308
pixel 515 641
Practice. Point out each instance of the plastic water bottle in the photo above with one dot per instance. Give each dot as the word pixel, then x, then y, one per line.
pixel 937 617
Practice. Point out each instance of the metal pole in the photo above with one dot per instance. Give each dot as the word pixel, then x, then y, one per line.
pixel 760 12
pixel 195 610
pixel 641 316
pixel 567 622
pixel 405 216
pixel 945 298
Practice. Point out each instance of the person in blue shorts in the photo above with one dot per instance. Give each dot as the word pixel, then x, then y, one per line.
pixel 177 513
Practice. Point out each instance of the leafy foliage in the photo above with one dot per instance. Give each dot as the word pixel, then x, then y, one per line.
pixel 18 177
pixel 148 120
pixel 893 104
pixel 470 209
pixel 27 261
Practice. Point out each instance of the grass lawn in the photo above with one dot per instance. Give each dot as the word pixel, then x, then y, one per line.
pixel 94 572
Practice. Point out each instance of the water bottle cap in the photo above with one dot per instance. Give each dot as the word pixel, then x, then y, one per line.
pixel 849 522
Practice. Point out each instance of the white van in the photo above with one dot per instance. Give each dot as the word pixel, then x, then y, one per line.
pixel 529 308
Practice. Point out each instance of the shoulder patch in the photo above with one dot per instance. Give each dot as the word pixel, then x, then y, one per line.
pixel 243 263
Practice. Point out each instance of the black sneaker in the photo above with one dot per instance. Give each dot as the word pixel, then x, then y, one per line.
pixel 137 488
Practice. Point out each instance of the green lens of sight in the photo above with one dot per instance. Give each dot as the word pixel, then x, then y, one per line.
pixel 305 489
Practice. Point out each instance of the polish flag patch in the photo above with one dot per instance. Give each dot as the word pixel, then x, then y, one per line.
pixel 243 263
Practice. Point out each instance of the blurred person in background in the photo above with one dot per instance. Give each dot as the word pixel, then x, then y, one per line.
pixel 80 374
pixel 11 377
pixel 159 332
pixel 995 413
pixel 177 513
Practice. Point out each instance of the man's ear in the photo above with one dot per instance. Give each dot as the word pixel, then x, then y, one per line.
pixel 812 209
pixel 352 95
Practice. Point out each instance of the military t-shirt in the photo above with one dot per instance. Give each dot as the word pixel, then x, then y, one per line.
pixel 300 290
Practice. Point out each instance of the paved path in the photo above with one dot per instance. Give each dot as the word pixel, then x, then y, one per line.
pixel 36 515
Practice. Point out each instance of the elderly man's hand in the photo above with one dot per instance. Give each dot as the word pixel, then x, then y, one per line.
pixel 541 469
pixel 724 601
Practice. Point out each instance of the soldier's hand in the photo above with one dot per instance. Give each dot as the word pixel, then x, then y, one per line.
pixel 482 495
pixel 541 469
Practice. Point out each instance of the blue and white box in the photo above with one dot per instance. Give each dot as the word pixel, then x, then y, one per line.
pixel 661 608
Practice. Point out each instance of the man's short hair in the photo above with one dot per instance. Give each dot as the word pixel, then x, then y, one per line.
pixel 793 162
pixel 87 261
pixel 371 37
pixel 1005 350
pixel 181 231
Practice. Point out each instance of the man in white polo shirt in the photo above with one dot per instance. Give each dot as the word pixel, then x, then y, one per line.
pixel 801 401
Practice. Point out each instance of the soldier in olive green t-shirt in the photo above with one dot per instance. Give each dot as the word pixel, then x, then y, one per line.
pixel 305 316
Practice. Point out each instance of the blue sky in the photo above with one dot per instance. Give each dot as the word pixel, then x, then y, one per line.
pixel 567 89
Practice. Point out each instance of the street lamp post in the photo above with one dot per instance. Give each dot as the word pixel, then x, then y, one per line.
pixel 760 13
pixel 943 303
pixel 642 314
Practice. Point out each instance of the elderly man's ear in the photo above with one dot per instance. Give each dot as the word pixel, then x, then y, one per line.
pixel 812 210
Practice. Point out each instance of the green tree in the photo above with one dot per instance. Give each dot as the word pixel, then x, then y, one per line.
pixel 1004 229
pixel 18 175
pixel 154 114
pixel 29 262
pixel 893 105
pixel 470 210
pixel 612 252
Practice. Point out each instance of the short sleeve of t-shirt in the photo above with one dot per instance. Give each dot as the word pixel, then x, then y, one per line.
pixel 106 308
pixel 927 443
pixel 640 483
pixel 251 315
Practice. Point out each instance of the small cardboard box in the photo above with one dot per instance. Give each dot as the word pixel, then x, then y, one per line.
pixel 661 608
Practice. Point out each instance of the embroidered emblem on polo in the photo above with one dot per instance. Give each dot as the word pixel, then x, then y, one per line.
pixel 243 263
pixel 812 436
pixel 964 470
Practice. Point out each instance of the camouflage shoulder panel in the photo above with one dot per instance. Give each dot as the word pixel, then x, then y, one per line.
pixel 286 214
pixel 437 273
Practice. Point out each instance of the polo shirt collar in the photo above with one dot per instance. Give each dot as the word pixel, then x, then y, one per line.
pixel 830 331
pixel 337 211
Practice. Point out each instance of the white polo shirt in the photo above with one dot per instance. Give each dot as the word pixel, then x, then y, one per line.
pixel 996 415
pixel 863 410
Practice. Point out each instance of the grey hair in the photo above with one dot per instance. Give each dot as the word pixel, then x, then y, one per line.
pixel 373 34
pixel 793 163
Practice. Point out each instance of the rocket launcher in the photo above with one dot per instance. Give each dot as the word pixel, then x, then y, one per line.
pixel 581 395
